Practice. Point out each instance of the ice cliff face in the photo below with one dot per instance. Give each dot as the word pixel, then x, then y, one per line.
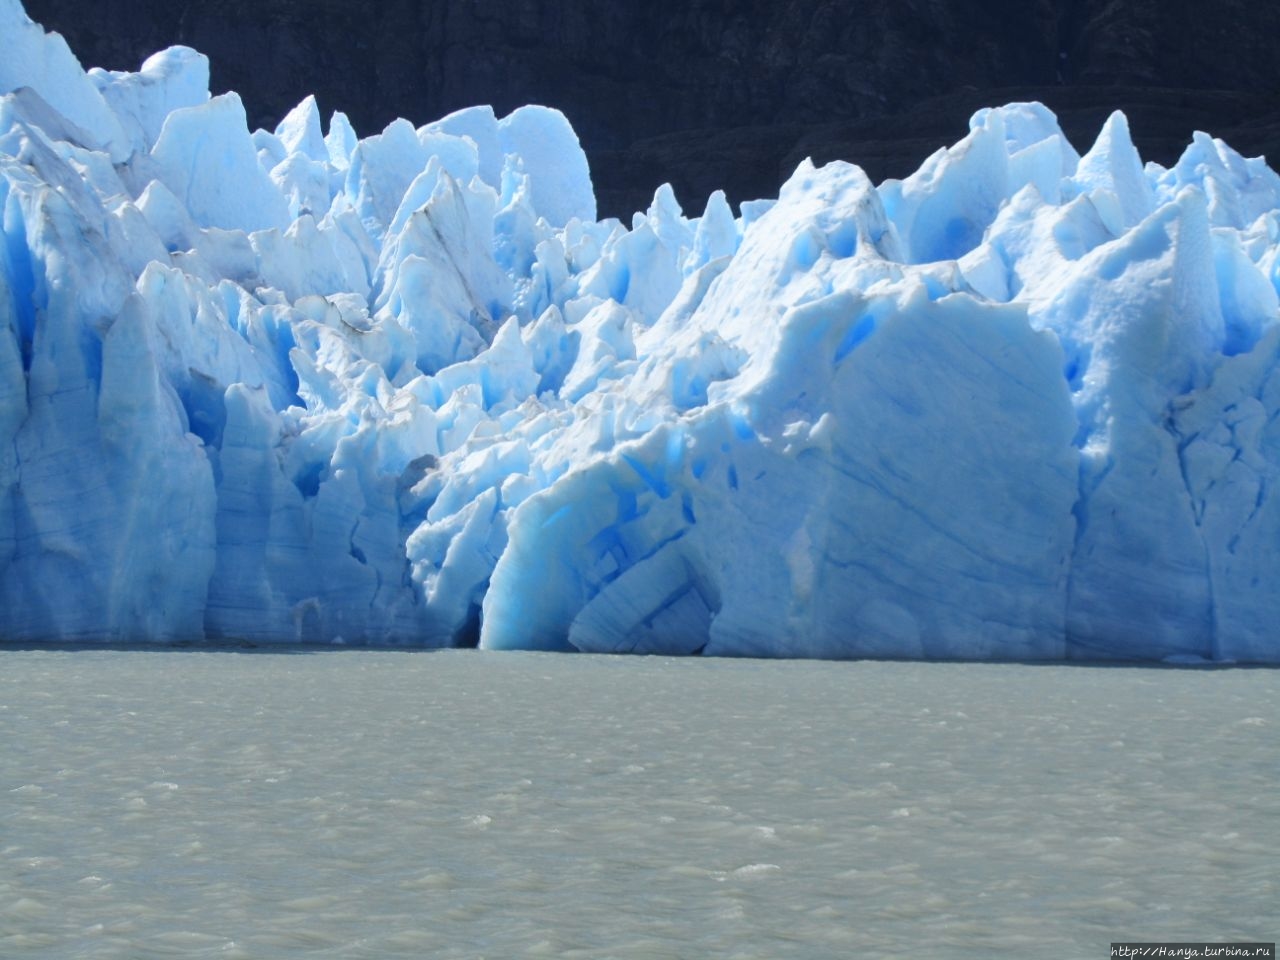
pixel 299 386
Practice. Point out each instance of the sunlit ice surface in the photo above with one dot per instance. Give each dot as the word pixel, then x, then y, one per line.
pixel 406 389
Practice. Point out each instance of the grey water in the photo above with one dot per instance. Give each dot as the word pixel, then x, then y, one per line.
pixel 467 805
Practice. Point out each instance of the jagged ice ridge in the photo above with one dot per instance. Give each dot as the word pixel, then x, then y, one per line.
pixel 299 386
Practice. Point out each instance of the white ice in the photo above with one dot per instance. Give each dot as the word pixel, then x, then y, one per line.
pixel 295 385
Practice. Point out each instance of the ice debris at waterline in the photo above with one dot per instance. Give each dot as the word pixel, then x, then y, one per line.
pixel 299 386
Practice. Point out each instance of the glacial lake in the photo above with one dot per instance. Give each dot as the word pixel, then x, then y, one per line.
pixel 465 805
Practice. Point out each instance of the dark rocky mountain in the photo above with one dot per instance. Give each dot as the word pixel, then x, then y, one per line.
pixel 713 93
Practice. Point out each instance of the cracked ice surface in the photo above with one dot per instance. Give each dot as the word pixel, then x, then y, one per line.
pixel 301 386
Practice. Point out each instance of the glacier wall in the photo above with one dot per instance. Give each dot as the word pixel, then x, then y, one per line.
pixel 300 386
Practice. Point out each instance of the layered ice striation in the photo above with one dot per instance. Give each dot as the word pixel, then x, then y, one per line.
pixel 300 386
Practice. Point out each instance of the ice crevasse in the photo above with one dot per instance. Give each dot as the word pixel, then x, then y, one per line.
pixel 407 390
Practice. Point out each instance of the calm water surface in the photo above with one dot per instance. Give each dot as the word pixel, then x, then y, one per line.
pixel 465 805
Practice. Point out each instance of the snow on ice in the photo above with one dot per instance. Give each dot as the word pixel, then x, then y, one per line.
pixel 300 386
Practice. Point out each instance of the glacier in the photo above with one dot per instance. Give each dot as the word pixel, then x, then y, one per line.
pixel 298 386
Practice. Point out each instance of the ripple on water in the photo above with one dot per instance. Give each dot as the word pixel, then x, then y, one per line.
pixel 389 805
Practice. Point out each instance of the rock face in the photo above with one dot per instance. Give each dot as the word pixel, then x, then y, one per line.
pixel 711 94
